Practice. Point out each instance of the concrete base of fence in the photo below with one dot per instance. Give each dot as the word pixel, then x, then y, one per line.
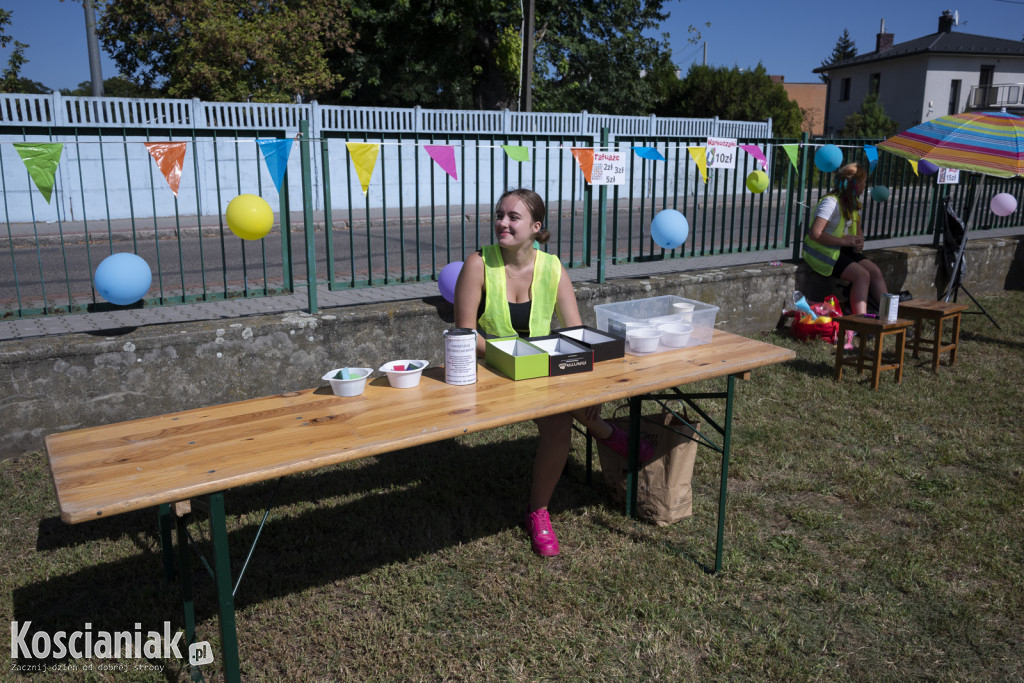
pixel 65 382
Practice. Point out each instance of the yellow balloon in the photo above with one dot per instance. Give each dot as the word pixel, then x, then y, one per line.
pixel 757 182
pixel 249 217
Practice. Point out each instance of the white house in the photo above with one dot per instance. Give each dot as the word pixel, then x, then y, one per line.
pixel 946 72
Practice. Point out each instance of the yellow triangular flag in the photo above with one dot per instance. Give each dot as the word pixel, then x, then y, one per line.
pixel 364 158
pixel 699 155
pixel 913 165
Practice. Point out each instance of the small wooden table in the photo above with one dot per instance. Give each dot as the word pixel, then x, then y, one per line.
pixel 938 312
pixel 866 326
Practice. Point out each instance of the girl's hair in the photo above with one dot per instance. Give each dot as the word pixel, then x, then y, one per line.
pixel 535 205
pixel 846 187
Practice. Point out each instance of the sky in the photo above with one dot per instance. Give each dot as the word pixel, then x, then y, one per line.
pixel 790 38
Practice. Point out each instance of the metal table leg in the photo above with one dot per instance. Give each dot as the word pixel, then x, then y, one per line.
pixel 225 596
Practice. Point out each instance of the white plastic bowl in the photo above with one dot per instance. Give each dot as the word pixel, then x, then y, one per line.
pixel 676 335
pixel 408 376
pixel 353 386
pixel 643 339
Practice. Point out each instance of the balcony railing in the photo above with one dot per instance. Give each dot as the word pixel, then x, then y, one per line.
pixel 997 95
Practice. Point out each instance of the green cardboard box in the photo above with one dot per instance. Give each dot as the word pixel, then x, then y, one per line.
pixel 516 358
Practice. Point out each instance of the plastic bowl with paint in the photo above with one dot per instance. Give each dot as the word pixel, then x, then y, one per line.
pixel 348 381
pixel 404 374
pixel 643 339
pixel 676 335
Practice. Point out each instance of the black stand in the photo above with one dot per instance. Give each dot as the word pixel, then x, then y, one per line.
pixel 954 245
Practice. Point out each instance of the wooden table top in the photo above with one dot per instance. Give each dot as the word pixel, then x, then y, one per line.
pixel 937 307
pixel 111 469
pixel 874 322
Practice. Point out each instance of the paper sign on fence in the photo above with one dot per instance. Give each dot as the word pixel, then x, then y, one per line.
pixel 609 169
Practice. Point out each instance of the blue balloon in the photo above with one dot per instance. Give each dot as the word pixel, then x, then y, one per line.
pixel 447 278
pixel 880 193
pixel 123 278
pixel 828 158
pixel 669 229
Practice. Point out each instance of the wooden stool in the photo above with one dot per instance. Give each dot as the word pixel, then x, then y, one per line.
pixel 938 312
pixel 881 329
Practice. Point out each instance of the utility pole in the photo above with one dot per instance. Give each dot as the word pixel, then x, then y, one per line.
pixel 95 73
pixel 526 89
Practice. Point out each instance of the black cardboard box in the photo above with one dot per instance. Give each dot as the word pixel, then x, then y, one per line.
pixel 604 345
pixel 565 356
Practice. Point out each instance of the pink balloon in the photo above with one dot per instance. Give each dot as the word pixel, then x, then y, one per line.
pixel 447 278
pixel 1003 204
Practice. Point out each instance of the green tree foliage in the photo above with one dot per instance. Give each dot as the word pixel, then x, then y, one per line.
pixel 118 86
pixel 736 95
pixel 844 49
pixel 10 78
pixel 225 50
pixel 870 122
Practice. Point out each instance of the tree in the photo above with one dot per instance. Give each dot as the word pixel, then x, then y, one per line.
pixel 118 86
pixel 870 122
pixel 738 95
pixel 843 50
pixel 10 78
pixel 226 50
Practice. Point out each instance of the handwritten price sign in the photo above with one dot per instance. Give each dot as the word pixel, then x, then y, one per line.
pixel 609 169
pixel 721 152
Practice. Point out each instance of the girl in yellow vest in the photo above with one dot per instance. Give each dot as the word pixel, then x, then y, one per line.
pixel 511 288
pixel 835 242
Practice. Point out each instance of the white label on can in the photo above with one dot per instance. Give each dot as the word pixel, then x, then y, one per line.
pixel 460 357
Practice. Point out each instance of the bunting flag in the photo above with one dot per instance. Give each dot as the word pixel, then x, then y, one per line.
pixel 443 156
pixel 41 159
pixel 275 156
pixel 699 156
pixel 913 165
pixel 516 152
pixel 364 158
pixel 585 158
pixel 791 151
pixel 755 151
pixel 648 153
pixel 170 159
pixel 871 152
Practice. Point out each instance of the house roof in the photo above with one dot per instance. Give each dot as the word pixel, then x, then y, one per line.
pixel 937 43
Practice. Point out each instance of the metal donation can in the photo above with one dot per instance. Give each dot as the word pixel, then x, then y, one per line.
pixel 460 356
pixel 890 306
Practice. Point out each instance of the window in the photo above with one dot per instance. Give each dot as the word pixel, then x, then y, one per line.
pixel 874 84
pixel 844 90
pixel 954 97
pixel 986 93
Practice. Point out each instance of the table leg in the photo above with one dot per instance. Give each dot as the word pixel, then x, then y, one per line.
pixel 956 339
pixel 185 583
pixel 225 597
pixel 837 374
pixel 166 544
pixel 876 371
pixel 633 470
pixel 724 486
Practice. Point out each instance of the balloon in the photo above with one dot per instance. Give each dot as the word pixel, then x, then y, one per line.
pixel 757 182
pixel 925 167
pixel 447 278
pixel 828 158
pixel 1003 204
pixel 249 217
pixel 123 278
pixel 880 193
pixel 669 229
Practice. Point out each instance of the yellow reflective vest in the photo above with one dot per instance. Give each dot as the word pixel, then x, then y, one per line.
pixel 547 271
pixel 823 258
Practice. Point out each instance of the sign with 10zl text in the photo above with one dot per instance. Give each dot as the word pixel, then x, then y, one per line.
pixel 721 152
pixel 609 169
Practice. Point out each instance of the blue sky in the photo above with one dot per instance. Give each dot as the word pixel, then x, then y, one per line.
pixel 790 38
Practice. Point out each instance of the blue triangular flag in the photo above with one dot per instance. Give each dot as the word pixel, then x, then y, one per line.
pixel 648 153
pixel 275 154
pixel 872 154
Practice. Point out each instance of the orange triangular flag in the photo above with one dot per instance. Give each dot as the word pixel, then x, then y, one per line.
pixel 585 158
pixel 170 159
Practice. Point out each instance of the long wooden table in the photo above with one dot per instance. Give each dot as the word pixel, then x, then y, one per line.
pixel 157 461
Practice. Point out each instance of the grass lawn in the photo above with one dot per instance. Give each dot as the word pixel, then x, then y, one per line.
pixel 870 535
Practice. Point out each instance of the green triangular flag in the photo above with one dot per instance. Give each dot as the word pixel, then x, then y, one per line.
pixel 41 159
pixel 790 151
pixel 517 152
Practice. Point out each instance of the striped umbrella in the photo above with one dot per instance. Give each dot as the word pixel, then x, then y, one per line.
pixel 988 143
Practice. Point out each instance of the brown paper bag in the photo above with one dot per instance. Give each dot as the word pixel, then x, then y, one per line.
pixel 664 493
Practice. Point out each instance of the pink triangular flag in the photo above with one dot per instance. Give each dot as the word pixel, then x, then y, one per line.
pixel 444 155
pixel 755 151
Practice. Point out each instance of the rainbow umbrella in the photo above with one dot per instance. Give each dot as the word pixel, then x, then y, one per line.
pixel 987 143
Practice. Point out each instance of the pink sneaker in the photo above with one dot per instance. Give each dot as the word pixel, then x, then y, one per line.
pixel 542 536
pixel 619 442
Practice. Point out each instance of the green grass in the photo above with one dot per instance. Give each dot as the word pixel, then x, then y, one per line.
pixel 870 535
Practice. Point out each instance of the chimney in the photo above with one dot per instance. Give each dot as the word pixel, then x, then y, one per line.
pixel 946 22
pixel 883 41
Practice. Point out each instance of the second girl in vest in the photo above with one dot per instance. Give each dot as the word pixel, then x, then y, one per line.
pixel 834 245
pixel 510 288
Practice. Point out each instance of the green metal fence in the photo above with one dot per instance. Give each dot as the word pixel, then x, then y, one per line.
pixel 415 218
